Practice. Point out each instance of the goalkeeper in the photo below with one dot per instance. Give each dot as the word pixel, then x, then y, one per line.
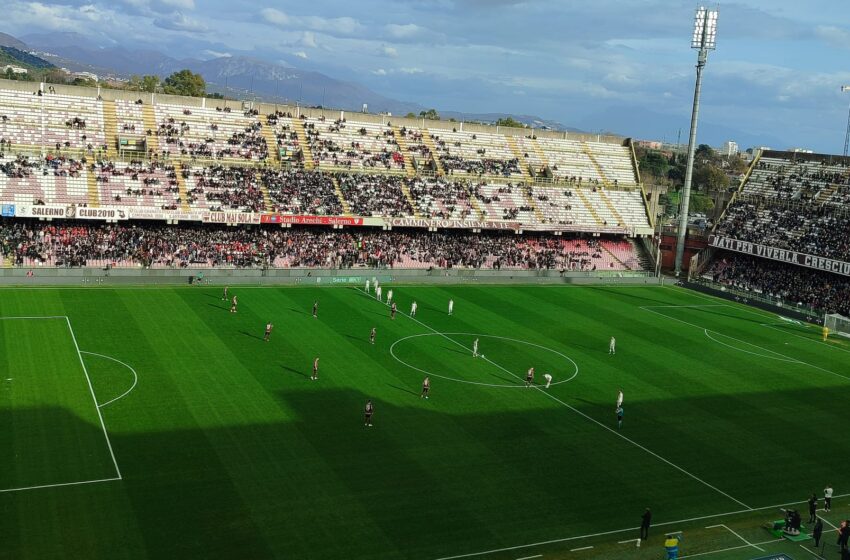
pixel 825 332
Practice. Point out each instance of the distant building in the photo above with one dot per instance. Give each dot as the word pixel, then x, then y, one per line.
pixel 800 150
pixel 729 148
pixel 648 144
pixel 14 69
pixel 85 75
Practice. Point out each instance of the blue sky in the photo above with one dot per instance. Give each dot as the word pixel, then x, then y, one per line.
pixel 596 64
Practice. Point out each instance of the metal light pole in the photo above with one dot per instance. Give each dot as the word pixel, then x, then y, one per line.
pixel 846 134
pixel 704 39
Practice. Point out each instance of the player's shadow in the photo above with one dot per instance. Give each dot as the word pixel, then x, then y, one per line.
pixel 405 389
pixel 357 338
pixel 456 350
pixel 293 370
pixel 251 335
pixel 218 306
pixel 294 310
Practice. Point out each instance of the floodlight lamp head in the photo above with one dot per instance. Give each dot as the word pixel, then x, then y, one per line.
pixel 705 29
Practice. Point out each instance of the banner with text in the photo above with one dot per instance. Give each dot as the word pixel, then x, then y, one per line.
pixel 71 212
pixel 782 255
pixel 314 220
pixel 231 217
pixel 450 224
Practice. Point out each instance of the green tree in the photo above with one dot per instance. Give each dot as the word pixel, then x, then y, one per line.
pixel 185 82
pixel 509 121
pixel 410 115
pixel 710 177
pixel 149 84
pixel 430 114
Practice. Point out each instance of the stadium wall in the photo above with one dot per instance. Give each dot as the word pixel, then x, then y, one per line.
pixel 97 277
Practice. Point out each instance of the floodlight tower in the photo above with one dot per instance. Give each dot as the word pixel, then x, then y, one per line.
pixel 704 40
pixel 846 134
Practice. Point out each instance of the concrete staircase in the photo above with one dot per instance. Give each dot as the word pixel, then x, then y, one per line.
pixel 429 141
pixel 523 165
pixel 824 194
pixel 298 126
pixel 586 149
pixel 149 119
pixel 406 191
pixel 94 189
pixel 613 256
pixel 589 206
pixel 181 187
pixel 402 145
pixel 540 153
pixel 527 194
pixel 271 142
pixel 264 188
pixel 611 207
pixel 346 207
pixel 110 129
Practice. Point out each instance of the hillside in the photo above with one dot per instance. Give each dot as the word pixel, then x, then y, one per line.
pixel 17 57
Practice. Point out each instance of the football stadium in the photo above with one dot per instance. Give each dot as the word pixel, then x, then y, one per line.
pixel 237 325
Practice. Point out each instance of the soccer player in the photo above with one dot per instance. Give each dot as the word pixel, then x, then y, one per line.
pixel 367 286
pixel 372 336
pixel 619 398
pixel 475 348
pixel 413 307
pixel 619 417
pixel 315 375
pixel 392 309
pixel 378 291
pixel 612 346
pixel 315 310
pixel 529 377
pixel 426 387
pixel 269 328
pixel 234 303
pixel 825 332
pixel 389 296
pixel 827 498
pixel 370 409
pixel 813 508
pixel 451 306
pixel 548 378
pixel 224 295
pixel 671 545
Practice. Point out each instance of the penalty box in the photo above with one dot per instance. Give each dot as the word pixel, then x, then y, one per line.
pixel 53 432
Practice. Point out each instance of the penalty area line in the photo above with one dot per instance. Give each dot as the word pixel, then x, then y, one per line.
pixel 7 490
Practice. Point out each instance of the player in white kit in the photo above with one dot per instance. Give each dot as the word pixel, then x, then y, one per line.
pixel 367 286
pixel 413 309
pixel 451 306
pixel 612 346
pixel 475 348
pixel 378 293
pixel 389 296
pixel 619 398
pixel 548 378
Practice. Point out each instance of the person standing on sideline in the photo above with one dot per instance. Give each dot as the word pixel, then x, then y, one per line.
pixel 315 375
pixel 234 304
pixel 269 328
pixel 817 531
pixel 389 296
pixel 827 498
pixel 426 388
pixel 645 521
pixel 372 336
pixel 378 291
pixel 612 346
pixel 619 398
pixel 367 286
pixel 843 535
pixel 825 332
pixel 315 309
pixel 413 307
pixel 619 417
pixel 475 348
pixel 224 295
pixel 367 413
pixel 529 377
pixel 671 545
pixel 548 378
pixel 451 306
pixel 813 508
pixel 393 309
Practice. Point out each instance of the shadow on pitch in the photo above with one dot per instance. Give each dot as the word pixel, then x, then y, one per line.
pixel 405 389
pixel 293 370
pixel 246 333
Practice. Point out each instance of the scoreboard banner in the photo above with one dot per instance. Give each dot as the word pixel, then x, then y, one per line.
pixel 781 255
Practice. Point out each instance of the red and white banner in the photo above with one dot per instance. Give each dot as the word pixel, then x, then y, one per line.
pixel 231 217
pixel 312 220
pixel 450 224
pixel 71 212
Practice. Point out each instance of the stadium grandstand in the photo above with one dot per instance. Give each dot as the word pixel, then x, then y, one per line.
pixel 107 154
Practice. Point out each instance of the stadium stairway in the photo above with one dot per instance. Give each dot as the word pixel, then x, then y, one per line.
pixel 410 171
pixel 149 119
pixel 529 198
pixel 181 187
pixel 643 258
pixel 271 143
pixel 589 206
pixel 346 207
pixel 428 139
pixel 615 257
pixel 824 194
pixel 405 189
pixel 309 164
pixel 612 208
pixel 523 166
pixel 473 201
pixel 94 189
pixel 110 129
pixel 599 171
pixel 540 153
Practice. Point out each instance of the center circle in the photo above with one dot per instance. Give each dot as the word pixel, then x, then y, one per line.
pixel 492 336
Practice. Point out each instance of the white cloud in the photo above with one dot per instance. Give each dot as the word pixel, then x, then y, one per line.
pixel 332 26
pixel 411 70
pixel 217 54
pixel 833 35
pixel 179 22
pixel 387 51
pixel 403 31
pixel 180 4
pixel 379 72
pixel 308 39
pixel 300 54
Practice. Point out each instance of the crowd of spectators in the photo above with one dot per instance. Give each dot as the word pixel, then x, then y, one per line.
pixel 295 191
pixel 484 166
pixel 375 195
pixel 225 188
pixel 30 243
pixel 793 285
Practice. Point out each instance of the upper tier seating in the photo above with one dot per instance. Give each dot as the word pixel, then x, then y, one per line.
pixel 356 146
pixel 210 133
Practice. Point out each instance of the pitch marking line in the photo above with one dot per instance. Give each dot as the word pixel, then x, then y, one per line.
pixel 94 398
pixel 580 549
pixel 818 342
pixel 768 356
pixel 731 548
pixel 737 535
pixel 135 376
pixel 815 554
pixel 530 557
pixel 745 342
pixel 58 485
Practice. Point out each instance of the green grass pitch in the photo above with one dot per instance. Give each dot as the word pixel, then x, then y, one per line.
pixel 225 448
